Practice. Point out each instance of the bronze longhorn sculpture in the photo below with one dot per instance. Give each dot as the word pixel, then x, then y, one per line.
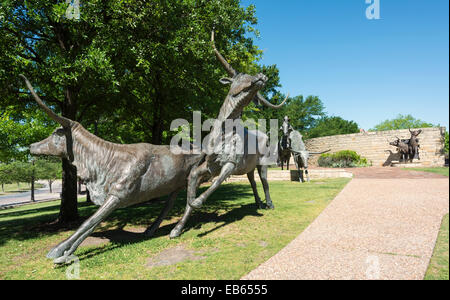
pixel 402 148
pixel 244 89
pixel 414 144
pixel 116 175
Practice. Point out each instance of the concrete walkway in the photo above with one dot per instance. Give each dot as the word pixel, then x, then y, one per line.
pixel 40 195
pixel 382 226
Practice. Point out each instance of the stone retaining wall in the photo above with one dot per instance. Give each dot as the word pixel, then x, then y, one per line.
pixel 375 146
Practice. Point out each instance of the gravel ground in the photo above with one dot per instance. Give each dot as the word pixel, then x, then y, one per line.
pixel 374 229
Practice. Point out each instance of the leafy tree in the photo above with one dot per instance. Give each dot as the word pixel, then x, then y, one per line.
pixel 401 122
pixel 49 170
pixel 18 129
pixel 124 69
pixel 20 172
pixel 328 126
pixel 5 175
pixel 303 113
pixel 446 143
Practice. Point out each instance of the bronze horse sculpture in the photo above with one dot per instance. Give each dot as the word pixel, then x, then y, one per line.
pixel 301 155
pixel 284 146
pixel 292 142
pixel 244 89
pixel 116 175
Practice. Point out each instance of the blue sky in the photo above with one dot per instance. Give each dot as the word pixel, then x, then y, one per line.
pixel 363 70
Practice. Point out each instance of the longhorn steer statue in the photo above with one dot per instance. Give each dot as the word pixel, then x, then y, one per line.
pixel 414 144
pixel 223 163
pixel 116 175
pixel 402 147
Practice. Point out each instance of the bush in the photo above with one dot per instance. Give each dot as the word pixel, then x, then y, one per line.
pixel 446 143
pixel 343 159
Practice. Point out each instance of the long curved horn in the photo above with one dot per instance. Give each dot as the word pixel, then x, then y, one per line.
pixel 231 72
pixel 268 104
pixel 61 120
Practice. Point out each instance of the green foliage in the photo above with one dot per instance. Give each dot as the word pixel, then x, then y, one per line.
pixel 401 122
pixel 125 69
pixel 446 142
pixel 439 262
pixel 19 171
pixel 329 126
pixel 437 170
pixel 5 174
pixel 47 169
pixel 303 113
pixel 343 159
pixel 18 129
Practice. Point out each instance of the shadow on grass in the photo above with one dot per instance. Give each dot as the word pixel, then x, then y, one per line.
pixel 30 211
pixel 236 199
pixel 120 237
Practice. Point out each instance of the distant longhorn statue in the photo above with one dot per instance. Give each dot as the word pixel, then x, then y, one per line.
pixel 402 148
pixel 414 144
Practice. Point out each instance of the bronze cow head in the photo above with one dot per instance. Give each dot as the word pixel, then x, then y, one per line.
pixel 244 89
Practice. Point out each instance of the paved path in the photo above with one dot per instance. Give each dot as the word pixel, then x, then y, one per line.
pixel 381 226
pixel 40 195
pixel 25 197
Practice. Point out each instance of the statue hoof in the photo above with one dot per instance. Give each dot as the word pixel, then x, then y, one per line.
pixel 63 260
pixel 175 233
pixel 271 207
pixel 196 204
pixel 55 253
pixel 60 260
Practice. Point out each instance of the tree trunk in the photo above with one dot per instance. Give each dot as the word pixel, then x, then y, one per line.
pixel 3 187
pixel 32 190
pixel 69 207
pixel 157 112
pixel 88 196
pixel 156 126
pixel 79 187
pixel 32 184
pixel 50 182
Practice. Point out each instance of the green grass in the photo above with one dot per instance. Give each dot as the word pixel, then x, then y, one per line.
pixel 438 268
pixel 437 170
pixel 13 188
pixel 231 235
